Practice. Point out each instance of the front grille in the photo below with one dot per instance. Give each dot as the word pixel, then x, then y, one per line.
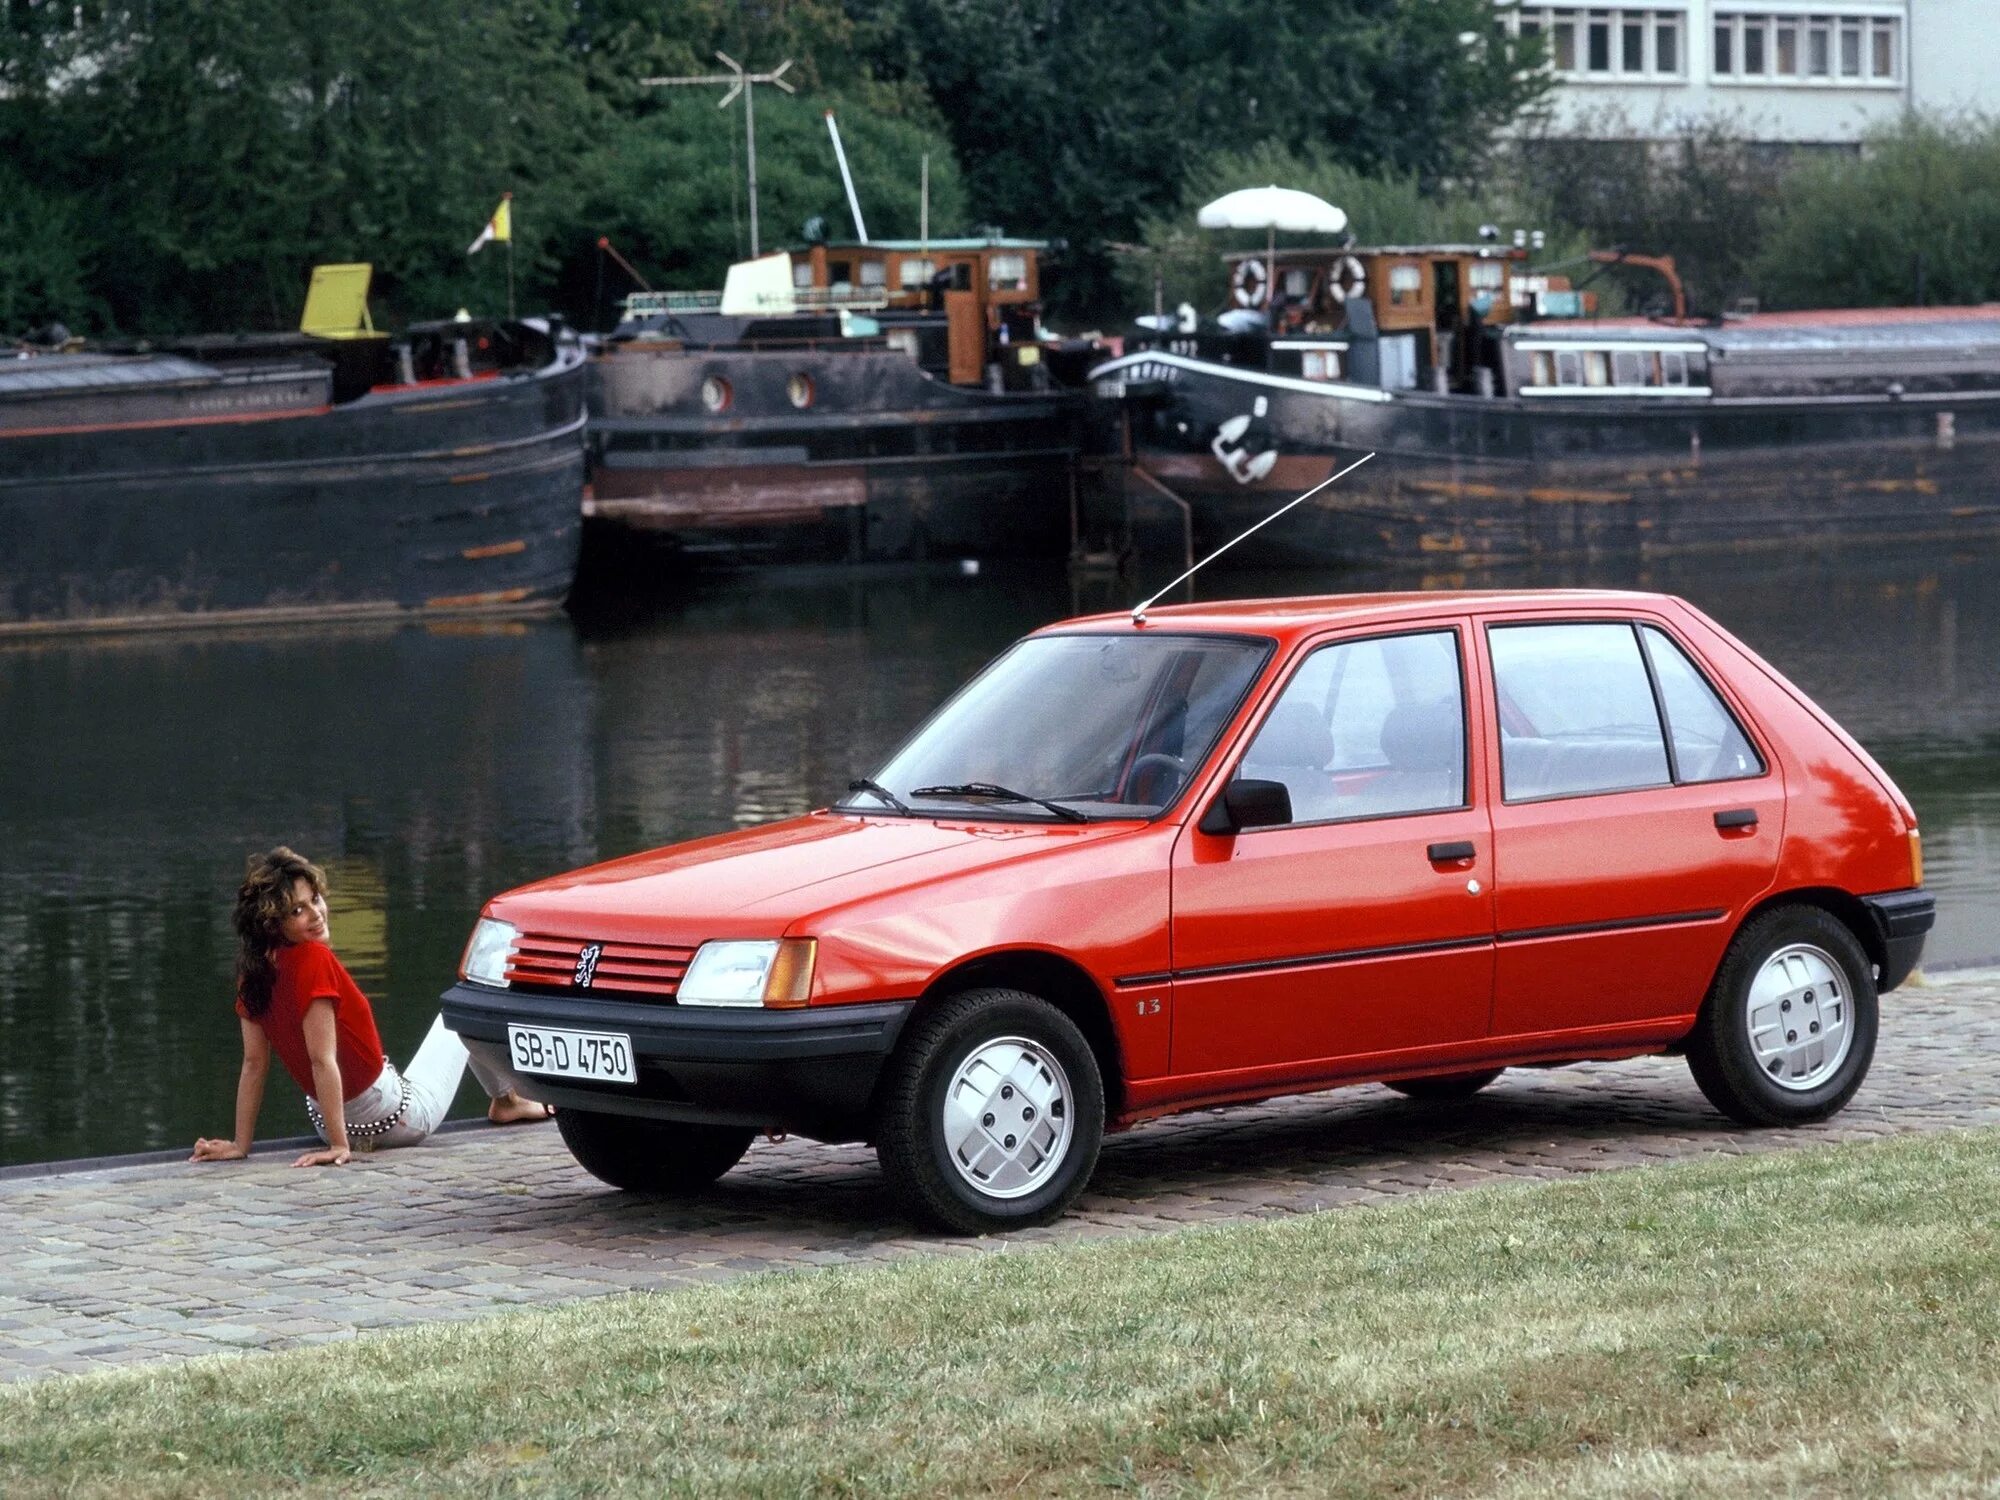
pixel 545 961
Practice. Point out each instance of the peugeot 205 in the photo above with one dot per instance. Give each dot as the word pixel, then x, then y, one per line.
pixel 1156 862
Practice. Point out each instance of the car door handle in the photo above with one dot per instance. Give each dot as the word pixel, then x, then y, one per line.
pixel 1445 853
pixel 1740 817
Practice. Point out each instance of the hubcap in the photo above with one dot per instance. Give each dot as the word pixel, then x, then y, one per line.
pixel 1800 1017
pixel 1007 1117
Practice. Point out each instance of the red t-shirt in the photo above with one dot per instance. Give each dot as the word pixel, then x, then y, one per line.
pixel 309 972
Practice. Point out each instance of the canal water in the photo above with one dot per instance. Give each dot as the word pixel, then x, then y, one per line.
pixel 429 767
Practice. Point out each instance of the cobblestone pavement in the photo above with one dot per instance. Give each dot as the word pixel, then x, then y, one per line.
pixel 133 1264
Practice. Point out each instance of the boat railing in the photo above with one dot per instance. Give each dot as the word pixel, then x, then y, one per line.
pixel 802 299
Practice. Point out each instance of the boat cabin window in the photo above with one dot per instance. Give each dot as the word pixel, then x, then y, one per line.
pixel 1673 369
pixel 1569 368
pixel 958 276
pixel 1298 281
pixel 914 272
pixel 1596 367
pixel 1320 364
pixel 802 274
pixel 1406 286
pixel 1541 368
pixel 1617 369
pixel 1007 273
pixel 1628 367
pixel 840 274
pixel 874 273
pixel 1486 275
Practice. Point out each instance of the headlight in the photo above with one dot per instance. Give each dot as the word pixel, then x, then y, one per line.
pixel 486 955
pixel 777 974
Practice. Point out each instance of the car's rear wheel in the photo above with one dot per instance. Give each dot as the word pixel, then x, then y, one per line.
pixel 1788 1029
pixel 992 1113
pixel 1445 1085
pixel 650 1156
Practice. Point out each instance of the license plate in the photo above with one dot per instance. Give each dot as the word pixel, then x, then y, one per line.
pixel 602 1056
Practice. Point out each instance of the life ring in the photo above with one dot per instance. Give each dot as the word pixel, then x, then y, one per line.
pixel 1349 279
pixel 1249 283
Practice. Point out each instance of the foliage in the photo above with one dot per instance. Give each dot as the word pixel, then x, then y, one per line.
pixel 182 166
pixel 1383 208
pixel 1916 218
pixel 1696 196
pixel 1080 121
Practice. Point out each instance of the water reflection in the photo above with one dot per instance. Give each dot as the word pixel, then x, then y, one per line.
pixel 430 768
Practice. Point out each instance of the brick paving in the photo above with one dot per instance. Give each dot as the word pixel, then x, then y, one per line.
pixel 140 1263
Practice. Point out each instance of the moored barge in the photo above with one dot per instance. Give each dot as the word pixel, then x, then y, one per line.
pixel 1503 434
pixel 251 478
pixel 878 401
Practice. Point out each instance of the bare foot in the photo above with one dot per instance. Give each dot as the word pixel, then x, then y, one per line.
pixel 511 1109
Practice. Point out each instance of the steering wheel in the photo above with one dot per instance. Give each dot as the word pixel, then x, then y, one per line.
pixel 1157 760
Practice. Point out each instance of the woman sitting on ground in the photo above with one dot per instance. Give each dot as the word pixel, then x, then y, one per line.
pixel 295 998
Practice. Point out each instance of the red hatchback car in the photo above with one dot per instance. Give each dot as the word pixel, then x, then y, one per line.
pixel 1222 852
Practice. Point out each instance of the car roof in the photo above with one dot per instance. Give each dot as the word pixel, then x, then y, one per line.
pixel 1291 617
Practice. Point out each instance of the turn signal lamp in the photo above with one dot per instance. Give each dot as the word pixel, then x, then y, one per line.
pixel 1916 857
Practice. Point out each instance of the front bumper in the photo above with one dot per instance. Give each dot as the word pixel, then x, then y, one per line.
pixel 1902 918
pixel 809 1072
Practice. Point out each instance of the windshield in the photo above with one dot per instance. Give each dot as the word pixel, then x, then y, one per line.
pixel 1098 726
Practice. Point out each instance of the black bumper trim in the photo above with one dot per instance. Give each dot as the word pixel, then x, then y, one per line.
pixel 1902 918
pixel 811 1071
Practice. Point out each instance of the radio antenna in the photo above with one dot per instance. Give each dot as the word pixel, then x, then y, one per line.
pixel 1139 610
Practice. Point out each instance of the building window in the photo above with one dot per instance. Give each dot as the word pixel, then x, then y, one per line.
pixel 1600 43
pixel 1806 48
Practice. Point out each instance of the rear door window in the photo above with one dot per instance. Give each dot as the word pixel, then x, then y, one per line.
pixel 1577 713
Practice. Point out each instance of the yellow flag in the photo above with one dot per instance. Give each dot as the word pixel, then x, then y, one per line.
pixel 499 227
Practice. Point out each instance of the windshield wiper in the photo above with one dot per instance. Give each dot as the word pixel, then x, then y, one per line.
pixel 1003 794
pixel 863 784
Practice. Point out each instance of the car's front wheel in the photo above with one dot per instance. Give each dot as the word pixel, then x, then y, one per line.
pixel 1788 1029
pixel 992 1113
pixel 650 1156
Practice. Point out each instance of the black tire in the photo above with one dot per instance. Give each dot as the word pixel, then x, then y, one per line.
pixel 651 1156
pixel 1038 1168
pixel 1721 1053
pixel 1444 1087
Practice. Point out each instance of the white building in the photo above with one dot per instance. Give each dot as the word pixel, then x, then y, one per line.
pixel 1808 72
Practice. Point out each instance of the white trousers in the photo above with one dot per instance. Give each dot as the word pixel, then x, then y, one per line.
pixel 429 1084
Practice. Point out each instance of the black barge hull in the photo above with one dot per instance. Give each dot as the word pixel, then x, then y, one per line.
pixel 230 506
pixel 1474 480
pixel 884 463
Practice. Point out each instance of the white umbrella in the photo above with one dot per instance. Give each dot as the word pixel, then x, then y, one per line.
pixel 1271 209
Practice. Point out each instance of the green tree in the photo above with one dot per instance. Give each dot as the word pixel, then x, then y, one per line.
pixel 1083 120
pixel 1915 217
pixel 1696 197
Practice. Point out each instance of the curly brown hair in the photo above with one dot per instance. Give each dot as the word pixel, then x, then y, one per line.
pixel 262 902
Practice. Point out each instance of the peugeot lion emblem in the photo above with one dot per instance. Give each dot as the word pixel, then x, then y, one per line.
pixel 586 965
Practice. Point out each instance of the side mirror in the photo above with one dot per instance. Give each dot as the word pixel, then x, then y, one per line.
pixel 1248 803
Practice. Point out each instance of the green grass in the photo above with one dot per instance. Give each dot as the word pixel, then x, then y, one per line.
pixel 1808 1323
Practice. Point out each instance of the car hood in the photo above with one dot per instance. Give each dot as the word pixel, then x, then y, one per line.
pixel 760 881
